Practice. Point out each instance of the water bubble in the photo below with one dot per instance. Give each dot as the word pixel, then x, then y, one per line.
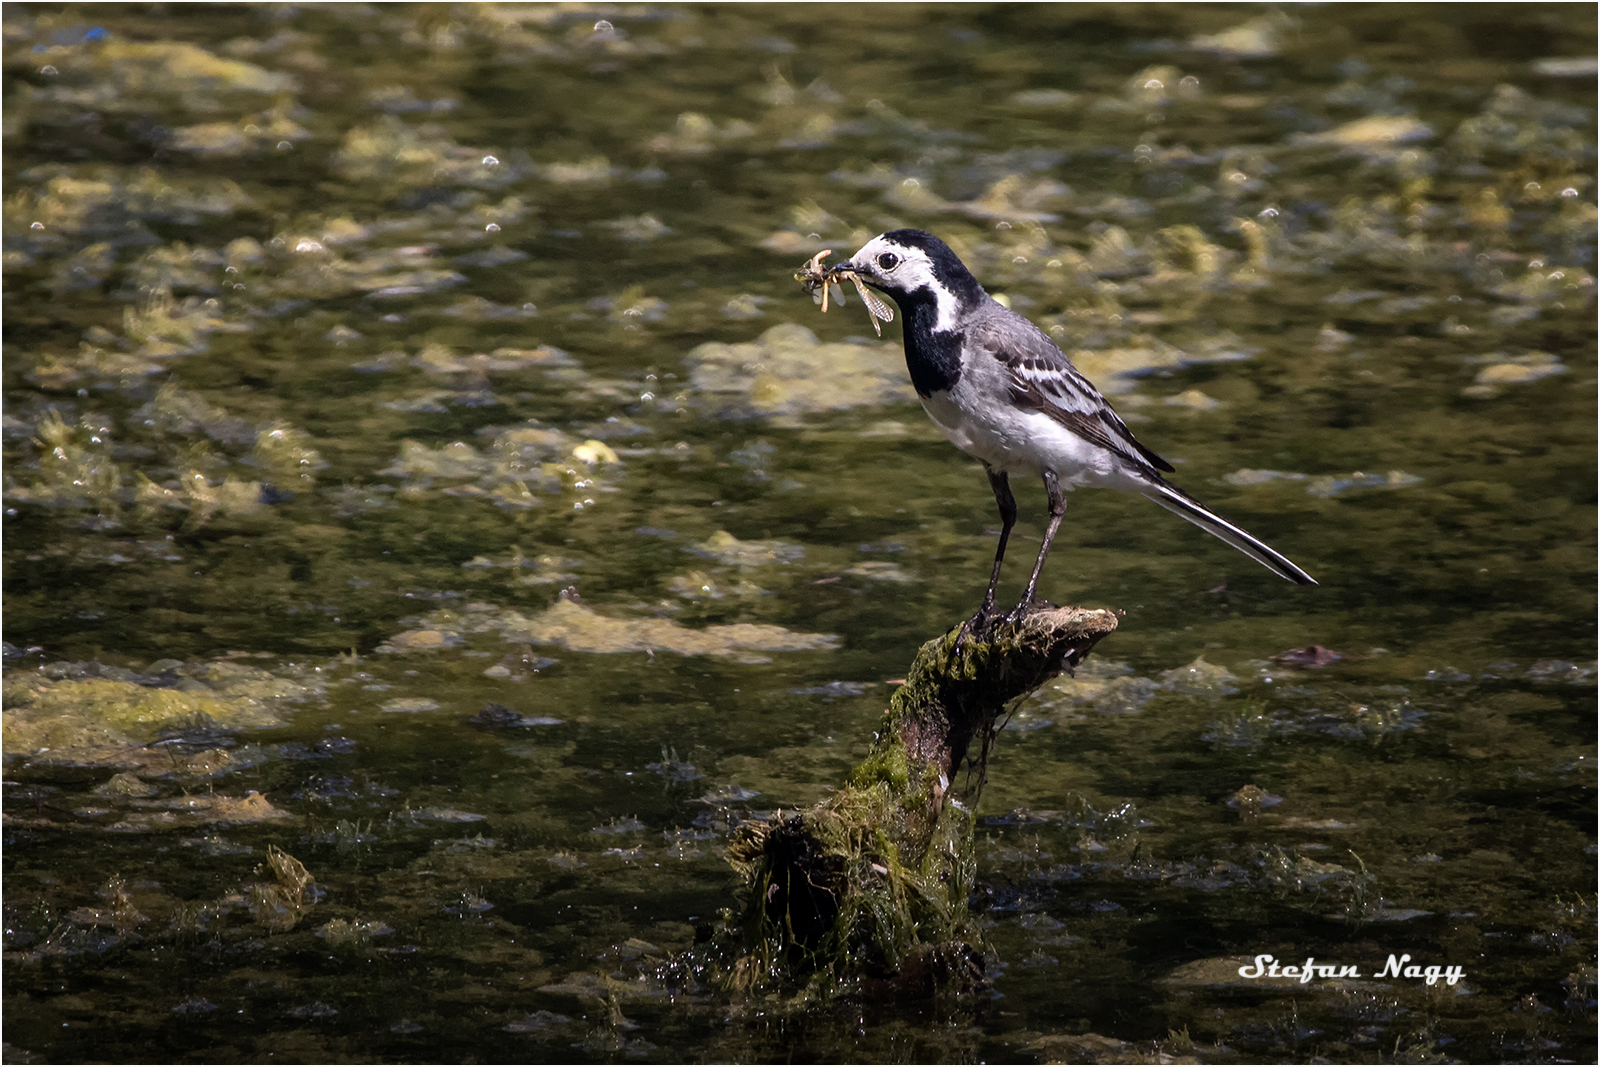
pixel 284 146
pixel 37 226
pixel 604 28
pixel 493 227
pixel 1154 83
pixel 1189 81
pixel 1531 187
pixel 1569 191
pixel 911 183
pixel 307 244
pixel 1268 213
pixel 47 70
pixel 490 161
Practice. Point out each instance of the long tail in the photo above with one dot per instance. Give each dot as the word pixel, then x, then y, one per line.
pixel 1177 501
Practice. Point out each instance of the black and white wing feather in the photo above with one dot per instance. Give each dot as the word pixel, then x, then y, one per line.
pixel 1044 380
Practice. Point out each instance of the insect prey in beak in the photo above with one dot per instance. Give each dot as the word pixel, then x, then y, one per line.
pixel 822 281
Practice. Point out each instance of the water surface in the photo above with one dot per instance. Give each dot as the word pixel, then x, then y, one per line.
pixel 340 341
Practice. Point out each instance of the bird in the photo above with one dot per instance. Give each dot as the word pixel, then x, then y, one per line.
pixel 1000 390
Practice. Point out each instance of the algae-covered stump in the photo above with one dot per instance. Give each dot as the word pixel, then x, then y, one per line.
pixel 870 886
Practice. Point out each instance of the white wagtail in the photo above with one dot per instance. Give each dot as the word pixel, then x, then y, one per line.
pixel 1000 390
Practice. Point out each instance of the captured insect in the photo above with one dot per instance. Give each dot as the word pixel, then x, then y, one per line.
pixel 819 281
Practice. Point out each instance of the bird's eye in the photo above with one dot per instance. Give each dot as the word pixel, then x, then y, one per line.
pixel 888 261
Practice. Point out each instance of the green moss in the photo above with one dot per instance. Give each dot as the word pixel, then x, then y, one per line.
pixel 880 872
pixel 887 764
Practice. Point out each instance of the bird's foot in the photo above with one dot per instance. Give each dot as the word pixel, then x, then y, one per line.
pixel 979 625
pixel 1024 609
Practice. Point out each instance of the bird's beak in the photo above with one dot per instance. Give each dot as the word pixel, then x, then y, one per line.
pixel 863 273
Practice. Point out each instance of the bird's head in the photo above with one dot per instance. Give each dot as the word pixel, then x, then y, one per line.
pixel 915 269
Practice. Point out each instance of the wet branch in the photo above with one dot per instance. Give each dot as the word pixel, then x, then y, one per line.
pixel 871 885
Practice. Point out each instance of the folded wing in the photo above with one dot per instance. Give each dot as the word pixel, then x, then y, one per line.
pixel 1044 380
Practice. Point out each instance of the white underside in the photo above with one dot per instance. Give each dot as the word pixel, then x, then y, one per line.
pixel 1025 442
pixel 1021 442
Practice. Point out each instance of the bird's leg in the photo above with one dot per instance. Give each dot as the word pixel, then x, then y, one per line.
pixel 1008 518
pixel 1058 508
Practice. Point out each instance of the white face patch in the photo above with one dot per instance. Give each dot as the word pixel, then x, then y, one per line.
pixel 912 270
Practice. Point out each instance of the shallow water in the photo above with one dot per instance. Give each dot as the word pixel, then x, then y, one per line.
pixel 339 341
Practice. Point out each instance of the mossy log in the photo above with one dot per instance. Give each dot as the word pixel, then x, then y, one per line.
pixel 869 888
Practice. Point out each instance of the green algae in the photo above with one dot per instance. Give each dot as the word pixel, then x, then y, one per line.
pixel 163 326
pixel 99 200
pixel 577 627
pixel 286 455
pixel 270 130
pixel 75 466
pixel 519 465
pixel 52 717
pixel 725 548
pixel 395 153
pixel 137 68
pixel 787 372
pixel 280 904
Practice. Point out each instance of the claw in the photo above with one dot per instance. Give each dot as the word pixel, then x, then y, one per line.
pixel 962 634
pixel 1015 616
pixel 979 625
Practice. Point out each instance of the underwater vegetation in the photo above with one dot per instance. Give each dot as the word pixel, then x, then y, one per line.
pixel 437 524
